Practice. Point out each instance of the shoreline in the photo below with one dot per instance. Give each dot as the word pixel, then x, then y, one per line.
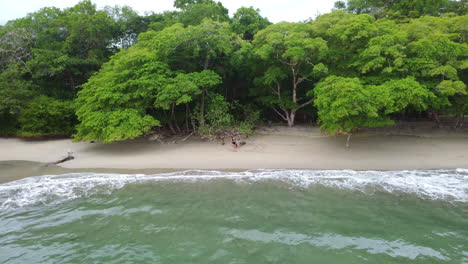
pixel 270 148
pixel 13 170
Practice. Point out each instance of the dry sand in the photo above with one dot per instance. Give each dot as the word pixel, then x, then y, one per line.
pixel 277 147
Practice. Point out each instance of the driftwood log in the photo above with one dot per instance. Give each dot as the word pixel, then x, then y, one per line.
pixel 69 157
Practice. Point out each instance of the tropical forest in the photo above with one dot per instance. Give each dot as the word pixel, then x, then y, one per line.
pixel 112 74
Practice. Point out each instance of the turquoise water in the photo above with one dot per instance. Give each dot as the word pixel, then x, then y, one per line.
pixel 264 216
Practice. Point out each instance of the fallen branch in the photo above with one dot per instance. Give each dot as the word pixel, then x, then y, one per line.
pixel 69 157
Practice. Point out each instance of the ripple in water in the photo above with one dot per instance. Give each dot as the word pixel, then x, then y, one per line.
pixel 396 248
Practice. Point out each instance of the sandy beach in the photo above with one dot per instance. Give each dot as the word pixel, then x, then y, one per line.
pixel 276 147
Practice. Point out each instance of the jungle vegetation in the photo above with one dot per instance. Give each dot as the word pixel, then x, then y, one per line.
pixel 113 74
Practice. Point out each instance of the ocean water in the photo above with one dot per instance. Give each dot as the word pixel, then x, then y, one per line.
pixel 261 216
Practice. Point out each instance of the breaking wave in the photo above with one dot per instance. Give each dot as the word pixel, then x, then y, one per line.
pixel 451 185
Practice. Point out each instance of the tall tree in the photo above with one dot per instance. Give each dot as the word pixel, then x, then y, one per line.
pixel 115 103
pixel 438 59
pixel 345 34
pixel 195 11
pixel 123 99
pixel 247 21
pixel 128 24
pixel 67 46
pixel 193 49
pixel 182 89
pixel 402 8
pixel 294 57
pixel 346 104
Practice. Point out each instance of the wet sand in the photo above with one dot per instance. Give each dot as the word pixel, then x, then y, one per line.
pixel 17 169
pixel 276 148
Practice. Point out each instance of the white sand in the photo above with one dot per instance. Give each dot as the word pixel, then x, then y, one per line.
pixel 278 147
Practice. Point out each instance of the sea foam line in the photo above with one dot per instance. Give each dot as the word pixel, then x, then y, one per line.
pixel 449 185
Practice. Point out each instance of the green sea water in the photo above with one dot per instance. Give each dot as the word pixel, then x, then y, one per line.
pixel 259 216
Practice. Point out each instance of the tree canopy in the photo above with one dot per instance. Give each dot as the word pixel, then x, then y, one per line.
pixel 113 74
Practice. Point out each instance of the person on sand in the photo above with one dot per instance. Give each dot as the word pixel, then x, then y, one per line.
pixel 234 142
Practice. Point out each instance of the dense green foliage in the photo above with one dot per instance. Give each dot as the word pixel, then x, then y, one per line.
pixel 403 8
pixel 113 103
pixel 345 104
pixel 47 116
pixel 294 57
pixel 112 74
pixel 247 22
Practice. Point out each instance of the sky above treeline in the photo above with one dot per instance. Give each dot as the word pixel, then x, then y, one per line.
pixel 274 10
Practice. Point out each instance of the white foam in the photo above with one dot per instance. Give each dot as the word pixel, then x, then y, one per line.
pixel 449 185
pixel 397 248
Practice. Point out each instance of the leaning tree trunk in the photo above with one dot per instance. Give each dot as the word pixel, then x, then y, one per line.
pixel 347 139
pixel 69 157
pixel 457 121
pixel 169 124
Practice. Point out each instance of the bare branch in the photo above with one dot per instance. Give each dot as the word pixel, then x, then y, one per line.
pixel 283 61
pixel 304 104
pixel 300 80
pixel 310 63
pixel 278 87
pixel 282 116
pixel 283 108
pixel 274 91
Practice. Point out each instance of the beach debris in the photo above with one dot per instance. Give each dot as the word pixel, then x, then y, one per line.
pixel 157 137
pixel 67 158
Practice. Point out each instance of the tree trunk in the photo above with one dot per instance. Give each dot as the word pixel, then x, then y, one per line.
pixel 202 102
pixel 178 127
pixel 435 117
pixel 186 117
pixel 457 122
pixel 169 123
pixel 72 83
pixel 460 121
pixel 292 114
pixel 347 140
pixel 461 117
pixel 172 112
pixel 172 128
pixel 173 119
pixel 291 117
pixel 69 157
pixel 202 108
pixel 295 83
pixel 207 63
